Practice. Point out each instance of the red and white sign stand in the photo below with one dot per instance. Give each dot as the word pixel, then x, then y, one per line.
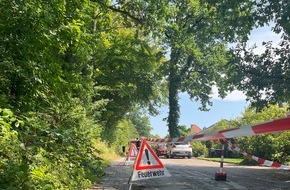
pixel 221 175
pixel 147 165
pixel 133 152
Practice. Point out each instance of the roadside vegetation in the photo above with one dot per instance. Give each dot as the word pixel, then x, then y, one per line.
pixel 274 147
pixel 78 79
pixel 238 161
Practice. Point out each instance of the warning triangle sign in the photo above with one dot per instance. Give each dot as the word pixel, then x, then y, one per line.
pixel 148 165
pixel 133 152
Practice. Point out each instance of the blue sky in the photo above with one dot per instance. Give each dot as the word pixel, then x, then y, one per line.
pixel 229 108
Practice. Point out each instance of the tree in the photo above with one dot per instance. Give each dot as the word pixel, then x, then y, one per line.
pixel 246 14
pixel 273 11
pixel 125 132
pixel 42 54
pixel 140 121
pixel 270 146
pixel 198 52
pixel 126 68
pixel 265 78
pixel 183 130
pixel 195 33
pixel 47 80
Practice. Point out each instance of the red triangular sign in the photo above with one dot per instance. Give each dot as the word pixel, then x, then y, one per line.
pixel 147 159
pixel 133 151
pixel 148 165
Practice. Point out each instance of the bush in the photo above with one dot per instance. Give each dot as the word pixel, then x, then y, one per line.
pixel 36 155
pixel 198 149
pixel 249 162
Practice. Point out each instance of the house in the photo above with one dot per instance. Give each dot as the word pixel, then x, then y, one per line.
pixel 194 129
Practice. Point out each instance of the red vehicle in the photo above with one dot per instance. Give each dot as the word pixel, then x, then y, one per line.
pixel 161 150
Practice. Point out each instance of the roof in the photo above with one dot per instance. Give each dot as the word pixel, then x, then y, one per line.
pixel 194 129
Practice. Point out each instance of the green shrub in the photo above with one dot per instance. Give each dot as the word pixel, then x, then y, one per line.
pixel 37 155
pixel 198 149
pixel 249 162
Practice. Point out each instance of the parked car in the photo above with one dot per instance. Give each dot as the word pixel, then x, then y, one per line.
pixel 161 150
pixel 179 149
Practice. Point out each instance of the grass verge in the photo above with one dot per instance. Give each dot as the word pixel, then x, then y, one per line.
pixel 226 160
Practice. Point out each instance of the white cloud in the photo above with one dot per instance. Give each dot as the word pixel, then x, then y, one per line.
pixel 231 97
pixel 260 35
pixel 263 34
pixel 236 96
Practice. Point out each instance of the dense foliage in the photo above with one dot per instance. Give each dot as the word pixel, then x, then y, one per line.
pixel 273 147
pixel 37 155
pixel 196 33
pixel 78 78
pixel 199 149
pixel 258 74
pixel 70 73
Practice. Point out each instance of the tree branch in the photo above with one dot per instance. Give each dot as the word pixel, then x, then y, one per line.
pixel 136 20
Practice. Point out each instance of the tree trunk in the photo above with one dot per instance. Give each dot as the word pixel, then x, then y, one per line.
pixel 174 111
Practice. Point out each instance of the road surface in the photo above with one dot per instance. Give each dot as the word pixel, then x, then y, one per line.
pixel 196 174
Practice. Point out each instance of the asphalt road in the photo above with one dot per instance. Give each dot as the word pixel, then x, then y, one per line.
pixel 196 174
